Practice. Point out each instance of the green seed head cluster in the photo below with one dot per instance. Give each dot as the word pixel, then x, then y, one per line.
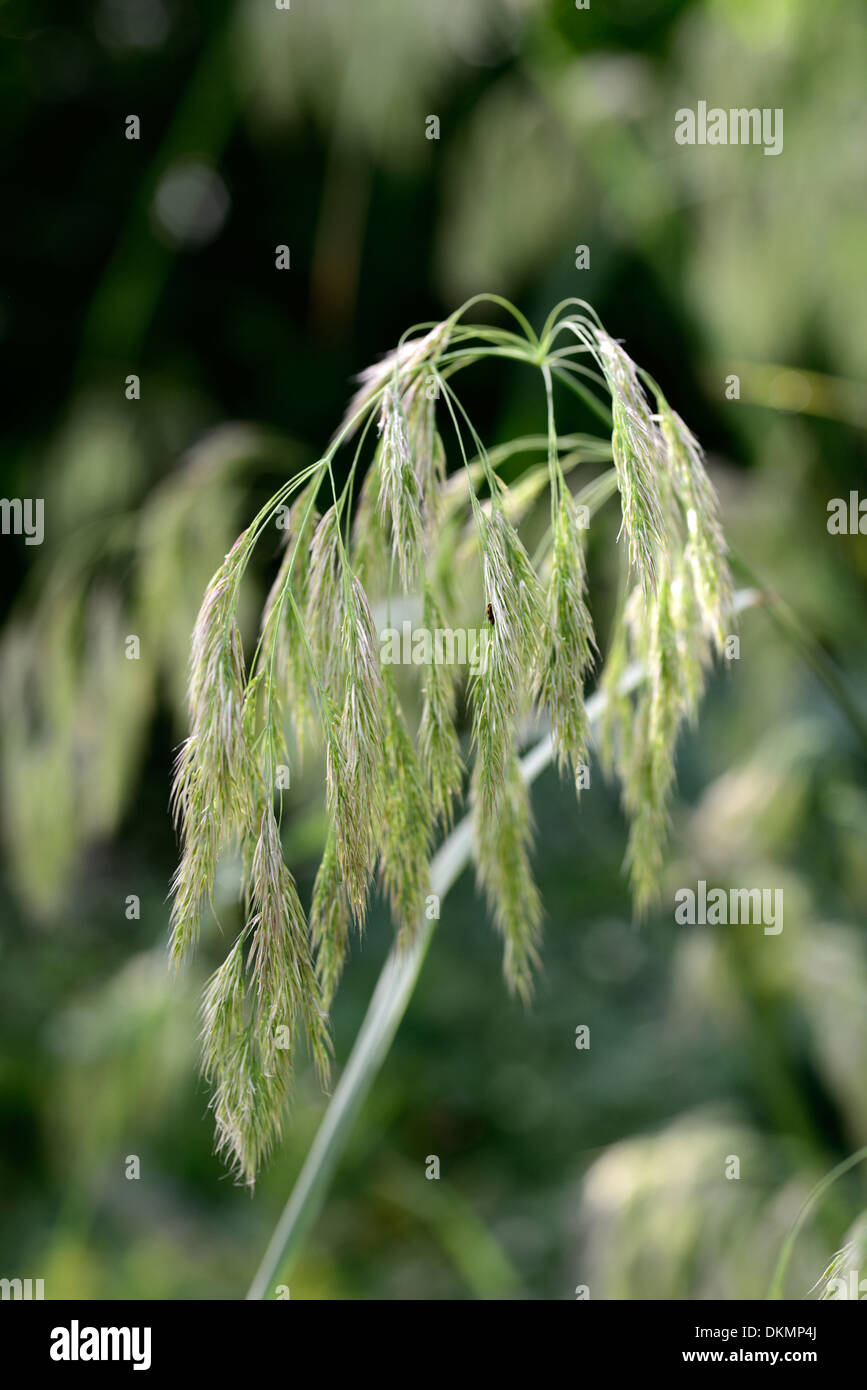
pixel 412 530
pixel 514 593
pixel 567 653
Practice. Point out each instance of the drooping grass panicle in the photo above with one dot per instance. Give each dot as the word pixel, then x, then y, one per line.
pixel 221 793
pixel 502 853
pixel 251 1016
pixel 514 602
pixel 398 487
pixel 664 634
pixel 355 769
pixel 426 449
pixel 329 920
pixel 693 647
pixel 249 1104
pixel 323 616
pixel 639 458
pixel 370 544
pixel 280 959
pixel 706 549
pixel 650 773
pixel 567 652
pixel 401 364
pixel 616 733
pixel 407 821
pixel 223 1010
pixel 284 658
pixel 454 546
pixel 215 786
pixel 438 737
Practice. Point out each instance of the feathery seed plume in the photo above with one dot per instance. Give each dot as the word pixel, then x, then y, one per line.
pixel 317 662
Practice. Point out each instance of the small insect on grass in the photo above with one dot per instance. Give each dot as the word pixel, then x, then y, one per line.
pixel 425 512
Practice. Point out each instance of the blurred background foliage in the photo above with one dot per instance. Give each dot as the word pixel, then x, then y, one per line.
pixel 156 258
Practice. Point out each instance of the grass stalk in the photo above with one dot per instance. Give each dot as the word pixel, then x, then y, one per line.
pixel 775 1291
